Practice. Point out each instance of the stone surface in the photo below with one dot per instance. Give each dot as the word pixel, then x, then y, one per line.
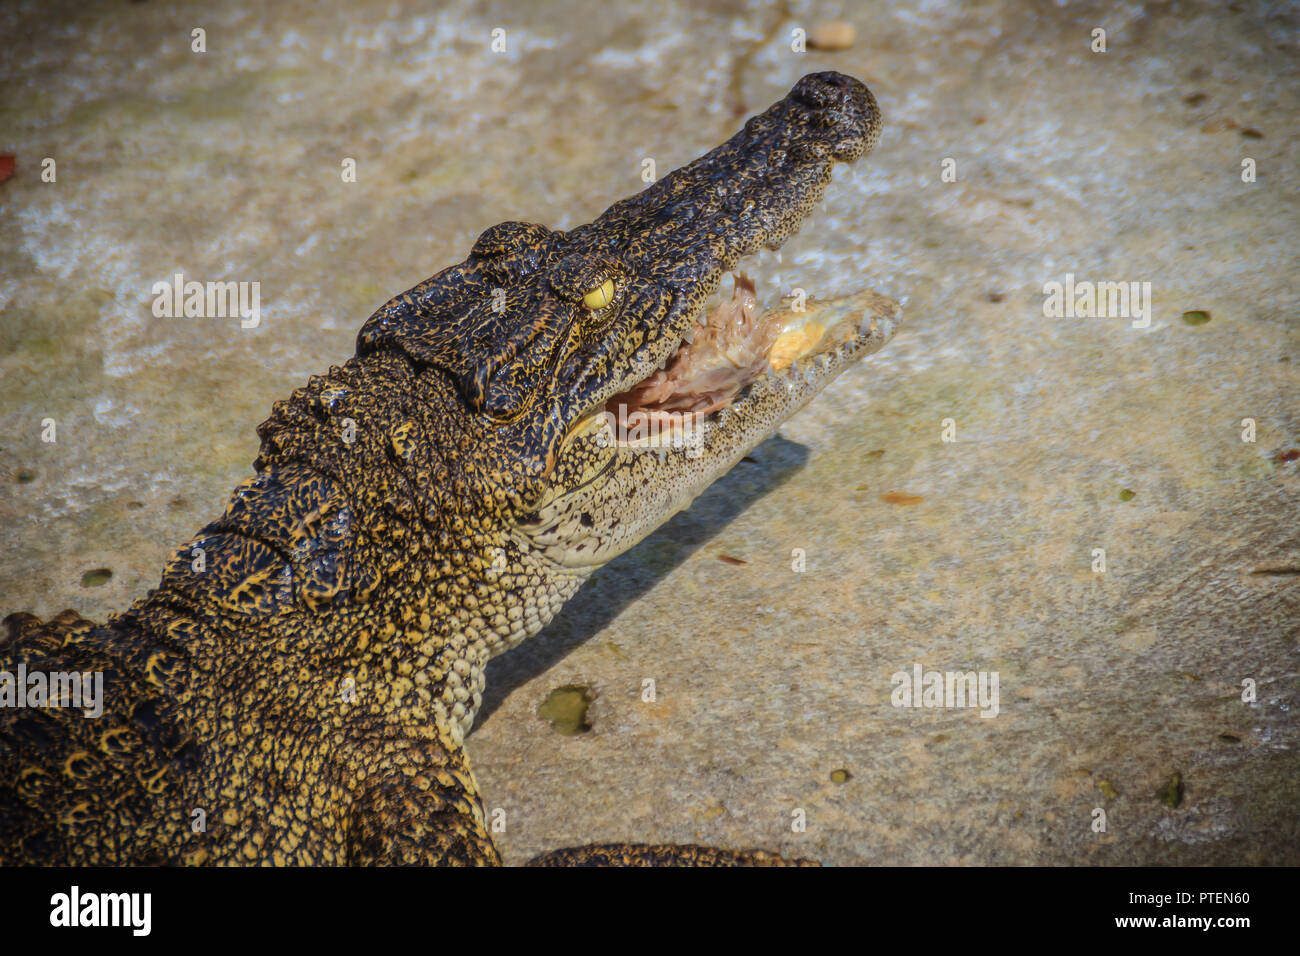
pixel 771 684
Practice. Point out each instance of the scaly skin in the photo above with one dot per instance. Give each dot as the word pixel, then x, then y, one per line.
pixel 303 678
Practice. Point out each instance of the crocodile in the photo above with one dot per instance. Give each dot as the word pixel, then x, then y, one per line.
pixel 298 688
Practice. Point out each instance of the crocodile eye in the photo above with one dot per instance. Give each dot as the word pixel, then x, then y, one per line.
pixel 599 297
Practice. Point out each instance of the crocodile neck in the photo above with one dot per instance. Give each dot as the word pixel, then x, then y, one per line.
pixel 358 569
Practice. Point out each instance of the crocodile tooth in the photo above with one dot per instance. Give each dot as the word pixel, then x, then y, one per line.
pixel 688 336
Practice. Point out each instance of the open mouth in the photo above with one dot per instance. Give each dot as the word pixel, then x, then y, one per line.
pixel 733 346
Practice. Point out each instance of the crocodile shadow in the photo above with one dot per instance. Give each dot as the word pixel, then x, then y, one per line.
pixel 629 576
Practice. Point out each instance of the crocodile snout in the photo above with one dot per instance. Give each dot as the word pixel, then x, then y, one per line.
pixel 841 110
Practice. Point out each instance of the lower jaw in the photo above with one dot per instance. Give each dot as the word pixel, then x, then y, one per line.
pixel 811 343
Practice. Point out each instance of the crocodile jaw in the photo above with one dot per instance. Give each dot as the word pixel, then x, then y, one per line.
pixel 627 485
pixel 705 390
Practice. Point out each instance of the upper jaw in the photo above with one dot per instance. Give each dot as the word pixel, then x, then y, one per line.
pixel 676 238
pixel 667 299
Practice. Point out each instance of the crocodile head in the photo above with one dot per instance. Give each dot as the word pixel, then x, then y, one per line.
pixel 546 336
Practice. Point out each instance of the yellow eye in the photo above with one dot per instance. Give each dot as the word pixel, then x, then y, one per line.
pixel 600 296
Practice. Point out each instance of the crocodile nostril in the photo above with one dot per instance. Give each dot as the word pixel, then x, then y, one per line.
pixel 839 110
pixel 823 90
